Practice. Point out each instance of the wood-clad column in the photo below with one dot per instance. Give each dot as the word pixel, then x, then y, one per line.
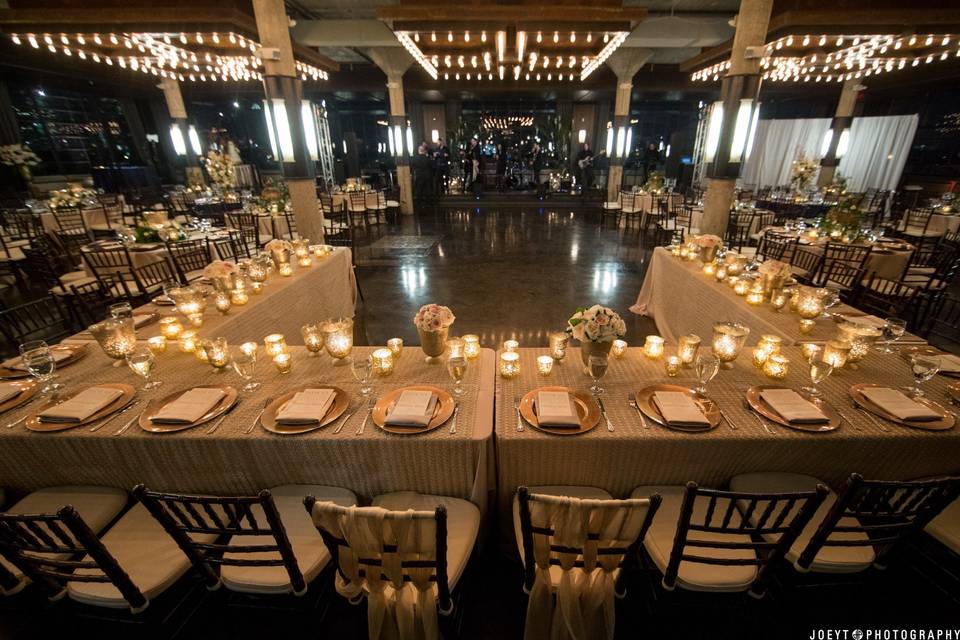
pixel 394 62
pixel 624 62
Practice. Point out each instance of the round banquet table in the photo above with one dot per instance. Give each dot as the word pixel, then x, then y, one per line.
pixel 941 223
pixel 92 216
pixel 887 262
pixel 145 253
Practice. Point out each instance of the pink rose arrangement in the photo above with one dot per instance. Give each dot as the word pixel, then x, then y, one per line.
pixel 433 318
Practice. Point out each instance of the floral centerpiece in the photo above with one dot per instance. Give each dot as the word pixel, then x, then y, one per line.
pixel 596 328
pixel 708 245
pixel 156 226
pixel 220 168
pixel 802 173
pixel 221 274
pixel 279 250
pixel 655 182
pixel 844 219
pixel 75 195
pixel 275 196
pixel 773 275
pixel 17 155
pixel 433 323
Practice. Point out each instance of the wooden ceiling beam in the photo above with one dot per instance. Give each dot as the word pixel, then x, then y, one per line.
pixel 558 13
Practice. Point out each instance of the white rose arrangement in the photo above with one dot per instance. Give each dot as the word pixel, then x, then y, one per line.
pixel 596 324
pixel 219 269
pixel 774 269
pixel 707 241
pixel 433 318
pixel 220 168
pixel 74 195
pixel 278 245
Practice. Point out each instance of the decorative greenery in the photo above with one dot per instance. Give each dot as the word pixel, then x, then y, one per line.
pixel 274 193
pixel 843 219
pixel 804 171
pixel 655 181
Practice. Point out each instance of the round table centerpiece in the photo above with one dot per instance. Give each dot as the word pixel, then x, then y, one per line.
pixel 596 328
pixel 708 246
pixel 773 276
pixel 433 324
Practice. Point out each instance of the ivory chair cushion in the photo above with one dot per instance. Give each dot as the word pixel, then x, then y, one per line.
pixel 828 559
pixel 946 527
pixel 312 556
pixel 613 206
pixel 98 506
pixel 463 523
pixel 392 204
pixel 147 554
pixel 695 576
pixel 572 491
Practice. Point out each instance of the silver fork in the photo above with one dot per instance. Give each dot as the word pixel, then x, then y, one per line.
pixel 363 424
pixel 124 428
pixel 763 423
pixel 345 421
pixel 11 425
pixel 456 412
pixel 109 419
pixel 633 403
pixel 516 407
pixel 603 412
pixel 253 425
pixel 870 417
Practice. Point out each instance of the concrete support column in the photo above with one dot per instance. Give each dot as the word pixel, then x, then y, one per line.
pixel 841 120
pixel 281 82
pixel 624 62
pixel 178 116
pixel 394 62
pixel 752 23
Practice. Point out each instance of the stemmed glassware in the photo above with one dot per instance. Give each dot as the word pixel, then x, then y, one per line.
pixel 39 362
pixel 244 362
pixel 707 366
pixel 923 367
pixel 121 310
pixel 457 368
pixel 831 298
pixel 893 330
pixel 820 370
pixel 597 366
pixel 141 361
pixel 362 369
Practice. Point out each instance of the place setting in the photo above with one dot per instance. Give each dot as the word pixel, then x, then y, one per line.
pixel 83 407
pixel 187 409
pixel 38 355
pixel 898 408
pixel 304 410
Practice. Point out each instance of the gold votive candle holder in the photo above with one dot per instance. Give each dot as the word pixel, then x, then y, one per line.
pixel 188 341
pixel 256 287
pixel 741 287
pixel 810 350
pixel 455 348
pixel 339 344
pixel 760 356
pixel 755 296
pixel 728 341
pixel 285 270
pixel 778 300
pixel 196 319
pixel 776 366
pixel 770 343
pixel 809 303
pixel 683 252
pixel 275 344
pixel 510 345
pixel 509 364
pixel 860 338
pixel 672 366
pixel 732 281
pixel 170 328
pixel 396 347
pixel 471 346
pixel 709 268
pixel 618 348
pixel 807 326
pixel 222 302
pixel 382 362
pixel 688 348
pixel 116 336
pixel 558 345
pixel 304 261
pixel 836 353
pixel 200 351
pixel 157 344
pixel 544 365
pixel 239 297
pixel 218 353
pixel 720 274
pixel 653 347
pixel 312 339
pixel 283 362
pixel 248 348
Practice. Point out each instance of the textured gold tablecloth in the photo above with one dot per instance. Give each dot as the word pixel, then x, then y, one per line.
pixel 632 456
pixel 231 461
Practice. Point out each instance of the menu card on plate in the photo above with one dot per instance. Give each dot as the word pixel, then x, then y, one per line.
pixel 81 406
pixel 306 407
pixel 413 409
pixel 949 363
pixel 555 409
pixel 59 355
pixel 8 391
pixel 896 403
pixel 679 409
pixel 793 407
pixel 189 407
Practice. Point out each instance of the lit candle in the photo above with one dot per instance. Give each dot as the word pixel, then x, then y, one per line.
pixel 619 348
pixel 810 350
pixel 382 362
pixel 683 252
pixel 778 300
pixel 318 251
pixel 283 362
pixel 511 345
pixel 810 303
pixel 755 297
pixel 728 340
pixel 239 297
pixel 509 364
pixel 222 302
pixel 709 268
pixel 218 354
pixel 776 366
pixel 304 261
pixel 286 270
pixel 196 320
pixel 807 326
pixel 471 346
pixel 455 347
pixel 836 353
pixel 157 344
pixel 396 346
pixel 760 356
pixel 200 351
pixel 248 348
pixel 544 365
pixel 742 287
pixel 672 366
pixel 275 344
pixel 732 281
pixel 339 344
pixel 188 341
pixel 312 338
pixel 860 338
pixel 721 273
pixel 653 347
pixel 770 343
pixel 688 348
pixel 170 328
pixel 558 345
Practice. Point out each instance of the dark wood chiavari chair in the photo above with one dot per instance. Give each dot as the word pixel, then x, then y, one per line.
pixel 776 246
pixel 71 244
pixel 851 255
pixel 846 277
pixel 12 261
pixel 70 220
pixel 631 209
pixel 148 279
pixel 805 263
pixel 740 227
pixel 888 298
pixel 357 207
pixel 105 219
pixel 189 258
pixel 248 224
pixel 944 323
pixel 40 319
pixel 228 246
pixel 284 226
pixel 916 224
pixel 22 227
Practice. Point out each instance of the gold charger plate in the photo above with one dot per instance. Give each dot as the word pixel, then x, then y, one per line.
pixel 926 350
pixel 954 391
pixel 709 408
pixel 28 389
pixel 269 418
pixel 218 409
pixel 588 411
pixel 76 351
pixel 34 424
pixel 442 413
pixel 762 407
pixel 946 422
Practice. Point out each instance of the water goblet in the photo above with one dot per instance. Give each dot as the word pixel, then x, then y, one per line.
pixel 39 362
pixel 923 368
pixel 893 330
pixel 706 366
pixel 820 370
pixel 244 362
pixel 597 366
pixel 121 310
pixel 362 369
pixel 141 361
pixel 457 368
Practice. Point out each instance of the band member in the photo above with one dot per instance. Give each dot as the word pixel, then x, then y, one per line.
pixel 422 165
pixel 585 167
pixel 501 158
pixel 536 161
pixel 441 166
pixel 474 155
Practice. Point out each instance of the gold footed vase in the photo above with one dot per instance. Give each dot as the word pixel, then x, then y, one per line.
pixel 588 349
pixel 433 344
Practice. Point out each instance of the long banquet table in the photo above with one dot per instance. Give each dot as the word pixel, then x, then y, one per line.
pixel 632 455
pixel 233 461
pixel 682 300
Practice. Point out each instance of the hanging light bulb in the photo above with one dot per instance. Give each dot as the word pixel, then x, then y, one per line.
pixel 556 36
pixel 449 36
pixel 483 36
pixel 433 36
pixel 573 36
pixel 606 38
pixel 466 36
pixel 589 37
pixel 416 36
pixel 539 36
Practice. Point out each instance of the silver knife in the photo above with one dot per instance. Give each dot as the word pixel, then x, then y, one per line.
pixel 603 412
pixel 126 426
pixel 453 426
pixel 109 419
pixel 217 424
pixel 11 425
pixel 255 420
pixel 516 407
pixel 345 421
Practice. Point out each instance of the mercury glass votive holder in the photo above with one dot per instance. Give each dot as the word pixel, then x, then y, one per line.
pixel 836 353
pixel 688 348
pixel 312 339
pixel 755 297
pixel 256 287
pixel 860 338
pixel 544 365
pixel 759 357
pixel 683 252
pixel 770 343
pixel 809 303
pixel 778 300
pixel 653 347
pixel 509 364
pixel 222 302
pixel 339 339
pixel 116 336
pixel 285 270
pixel 170 328
pixel 709 268
pixel 618 348
pixel 741 287
pixel 728 341
pixel 396 347
pixel 248 348
pixel 510 345
pixel 720 274
pixel 807 326
pixel 275 344
pixel 283 362
pixel 188 341
pixel 304 260
pixel 776 366
pixel 455 348
pixel 558 344
pixel 672 366
pixel 810 350
pixel 157 344
pixel 239 295
pixel 200 351
pixel 382 360
pixel 218 353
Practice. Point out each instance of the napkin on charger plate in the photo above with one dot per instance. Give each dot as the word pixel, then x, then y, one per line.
pixel 81 406
pixel 140 320
pixel 189 407
pixel 16 363
pixel 555 409
pixel 9 391
pixel 870 321
pixel 896 403
pixel 306 407
pixel 949 363
pixel 413 409
pixel 679 409
pixel 793 407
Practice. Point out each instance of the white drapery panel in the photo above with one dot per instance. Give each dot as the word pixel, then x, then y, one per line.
pixel 875 157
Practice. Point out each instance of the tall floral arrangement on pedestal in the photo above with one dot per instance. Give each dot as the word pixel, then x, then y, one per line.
pixel 75 195
pixel 596 328
pixel 802 173
pixel 274 196
pixel 21 157
pixel 220 168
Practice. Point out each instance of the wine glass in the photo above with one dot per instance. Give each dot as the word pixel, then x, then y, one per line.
pixel 923 367
pixel 121 310
pixel 820 370
pixel 244 362
pixel 597 365
pixel 141 361
pixel 39 362
pixel 362 368
pixel 707 366
pixel 893 330
pixel 830 298
pixel 457 368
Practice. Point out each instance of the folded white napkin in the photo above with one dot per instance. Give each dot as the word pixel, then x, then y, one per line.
pixel 59 355
pixel 870 321
pixel 8 391
pixel 139 321
pixel 81 406
pixel 949 363
pixel 896 403
pixel 307 406
pixel 793 407
pixel 555 409
pixel 189 407
pixel 413 409
pixel 679 409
